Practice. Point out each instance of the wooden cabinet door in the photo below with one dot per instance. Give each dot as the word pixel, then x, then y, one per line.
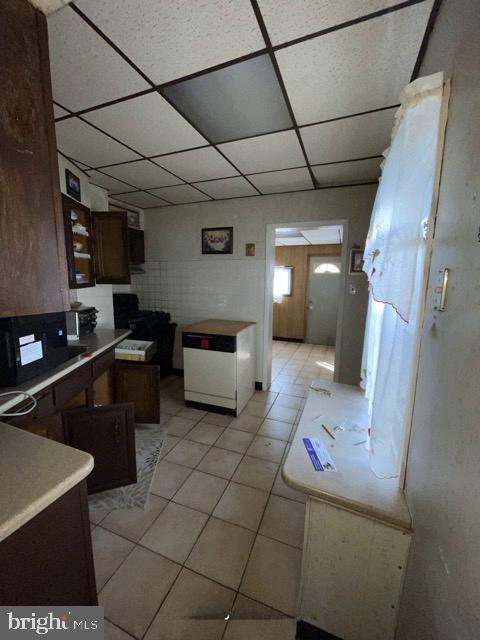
pixel 110 236
pixel 33 264
pixel 107 433
pixel 139 383
pixel 136 245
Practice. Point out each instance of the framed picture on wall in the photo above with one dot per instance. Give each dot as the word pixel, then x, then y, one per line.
pixel 356 261
pixel 218 240
pixel 72 183
pixel 133 218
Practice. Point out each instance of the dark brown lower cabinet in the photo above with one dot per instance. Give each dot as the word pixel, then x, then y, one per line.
pixel 139 383
pixel 48 561
pixel 108 434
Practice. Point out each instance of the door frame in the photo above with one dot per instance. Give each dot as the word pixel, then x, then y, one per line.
pixel 268 294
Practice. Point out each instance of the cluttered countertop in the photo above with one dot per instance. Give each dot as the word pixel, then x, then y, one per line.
pixel 343 410
pixel 95 344
pixel 34 472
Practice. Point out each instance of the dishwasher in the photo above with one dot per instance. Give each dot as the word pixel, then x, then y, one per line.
pixel 219 364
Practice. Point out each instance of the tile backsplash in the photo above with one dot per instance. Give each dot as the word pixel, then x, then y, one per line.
pixel 192 290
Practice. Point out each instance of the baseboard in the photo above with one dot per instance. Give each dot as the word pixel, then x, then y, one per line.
pixel 288 339
pixel 306 631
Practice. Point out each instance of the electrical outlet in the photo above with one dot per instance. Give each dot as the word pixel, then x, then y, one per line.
pixel 353 290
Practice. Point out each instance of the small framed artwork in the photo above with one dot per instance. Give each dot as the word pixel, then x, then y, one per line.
pixel 250 249
pixel 133 218
pixel 356 261
pixel 218 240
pixel 72 183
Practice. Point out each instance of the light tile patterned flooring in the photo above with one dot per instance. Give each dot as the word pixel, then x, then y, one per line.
pixel 222 535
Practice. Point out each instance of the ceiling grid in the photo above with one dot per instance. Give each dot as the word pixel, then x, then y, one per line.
pixel 233 98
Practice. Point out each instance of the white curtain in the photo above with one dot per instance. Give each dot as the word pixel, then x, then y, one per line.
pixel 396 262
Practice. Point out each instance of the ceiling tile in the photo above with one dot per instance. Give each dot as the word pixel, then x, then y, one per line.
pixel 58 112
pixel 347 172
pixel 78 139
pixel 358 137
pixel 141 199
pixel 291 242
pixel 198 164
pixel 148 124
pixel 171 39
pixel 107 182
pixel 329 234
pixel 242 100
pixel 181 194
pixel 286 21
pixel 362 67
pixel 288 180
pixel 85 70
pixel 143 174
pixel 228 188
pixel 264 153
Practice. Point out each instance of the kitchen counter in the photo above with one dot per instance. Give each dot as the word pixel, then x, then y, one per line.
pixel 218 327
pixel 34 472
pixel 96 343
pixel 354 485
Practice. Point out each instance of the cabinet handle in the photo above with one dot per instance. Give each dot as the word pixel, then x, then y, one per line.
pixel 116 430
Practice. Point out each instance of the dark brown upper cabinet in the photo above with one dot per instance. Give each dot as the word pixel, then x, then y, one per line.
pixel 33 267
pixel 97 245
pixel 136 246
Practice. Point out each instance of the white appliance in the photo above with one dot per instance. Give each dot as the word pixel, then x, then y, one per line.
pixel 219 364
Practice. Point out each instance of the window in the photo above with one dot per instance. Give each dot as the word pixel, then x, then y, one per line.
pixel 327 267
pixel 282 282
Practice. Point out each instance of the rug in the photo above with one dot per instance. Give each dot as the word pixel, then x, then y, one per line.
pixel 149 439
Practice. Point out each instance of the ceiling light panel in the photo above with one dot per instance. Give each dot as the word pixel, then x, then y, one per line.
pixel 148 124
pixel 143 174
pixel 228 188
pixel 198 164
pixel 278 181
pixel 241 100
pixel 85 70
pixel 358 137
pixel 141 199
pixel 355 69
pixel 286 20
pixel 78 139
pixel 169 40
pixel 107 182
pixel 347 172
pixel 181 194
pixel 264 153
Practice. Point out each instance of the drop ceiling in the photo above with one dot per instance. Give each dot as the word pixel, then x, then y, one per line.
pixel 291 237
pixel 184 101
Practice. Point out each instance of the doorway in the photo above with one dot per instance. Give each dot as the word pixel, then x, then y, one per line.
pixel 323 293
pixel 306 312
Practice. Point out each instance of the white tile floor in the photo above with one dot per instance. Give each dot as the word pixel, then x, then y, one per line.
pixel 223 533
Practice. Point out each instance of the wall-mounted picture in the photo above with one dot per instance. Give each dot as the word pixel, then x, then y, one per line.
pixel 356 261
pixel 73 184
pixel 133 218
pixel 250 249
pixel 218 240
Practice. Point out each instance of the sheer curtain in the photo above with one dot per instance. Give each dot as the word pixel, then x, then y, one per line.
pixel 396 261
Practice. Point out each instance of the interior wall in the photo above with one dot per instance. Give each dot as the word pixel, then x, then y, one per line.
pixel 192 286
pixel 442 589
pixel 289 316
pixel 96 199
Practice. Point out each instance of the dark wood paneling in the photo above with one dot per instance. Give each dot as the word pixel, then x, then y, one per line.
pixel 108 434
pixel 48 561
pixel 139 383
pixel 32 252
pixel 289 317
pixel 110 233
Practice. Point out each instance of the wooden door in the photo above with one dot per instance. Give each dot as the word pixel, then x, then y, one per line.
pixel 139 383
pixel 136 243
pixel 107 433
pixel 110 236
pixel 33 264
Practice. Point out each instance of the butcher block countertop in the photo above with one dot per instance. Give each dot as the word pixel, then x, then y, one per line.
pixel 218 327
